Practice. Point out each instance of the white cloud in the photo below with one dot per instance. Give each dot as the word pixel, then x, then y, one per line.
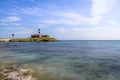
pixel 32 11
pixel 100 8
pixel 1 23
pixel 16 24
pixel 66 18
pixel 10 19
pixel 35 11
pixel 89 33
pixel 24 31
pixel 51 22
pixel 71 17
pixel 112 22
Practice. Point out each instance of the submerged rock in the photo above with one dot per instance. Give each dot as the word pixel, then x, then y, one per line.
pixel 17 74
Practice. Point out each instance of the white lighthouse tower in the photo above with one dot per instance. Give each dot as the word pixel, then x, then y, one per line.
pixel 39 32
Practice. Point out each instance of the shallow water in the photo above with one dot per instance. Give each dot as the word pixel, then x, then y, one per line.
pixel 66 60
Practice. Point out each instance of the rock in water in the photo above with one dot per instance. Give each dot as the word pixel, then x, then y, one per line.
pixel 17 74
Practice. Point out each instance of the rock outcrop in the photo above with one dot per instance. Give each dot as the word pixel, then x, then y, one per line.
pixel 17 74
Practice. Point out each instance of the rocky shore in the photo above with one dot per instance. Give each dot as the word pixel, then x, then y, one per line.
pixel 41 39
pixel 12 73
pixel 4 40
pixel 24 72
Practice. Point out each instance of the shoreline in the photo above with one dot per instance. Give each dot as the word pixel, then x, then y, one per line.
pixel 23 72
pixel 41 39
pixel 5 40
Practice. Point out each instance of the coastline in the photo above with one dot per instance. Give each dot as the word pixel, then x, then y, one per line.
pixel 23 72
pixel 5 40
pixel 40 39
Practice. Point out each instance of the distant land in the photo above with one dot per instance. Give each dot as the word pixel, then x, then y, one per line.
pixel 34 38
pixel 39 39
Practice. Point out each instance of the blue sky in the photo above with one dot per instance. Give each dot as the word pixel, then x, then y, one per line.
pixel 62 19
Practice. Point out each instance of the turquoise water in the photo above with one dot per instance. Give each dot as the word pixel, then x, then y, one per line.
pixel 67 60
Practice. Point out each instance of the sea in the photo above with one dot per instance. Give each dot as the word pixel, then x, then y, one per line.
pixel 66 59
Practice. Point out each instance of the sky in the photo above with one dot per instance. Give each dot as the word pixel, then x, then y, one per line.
pixel 62 19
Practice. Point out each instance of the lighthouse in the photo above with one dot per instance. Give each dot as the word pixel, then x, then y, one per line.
pixel 39 32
